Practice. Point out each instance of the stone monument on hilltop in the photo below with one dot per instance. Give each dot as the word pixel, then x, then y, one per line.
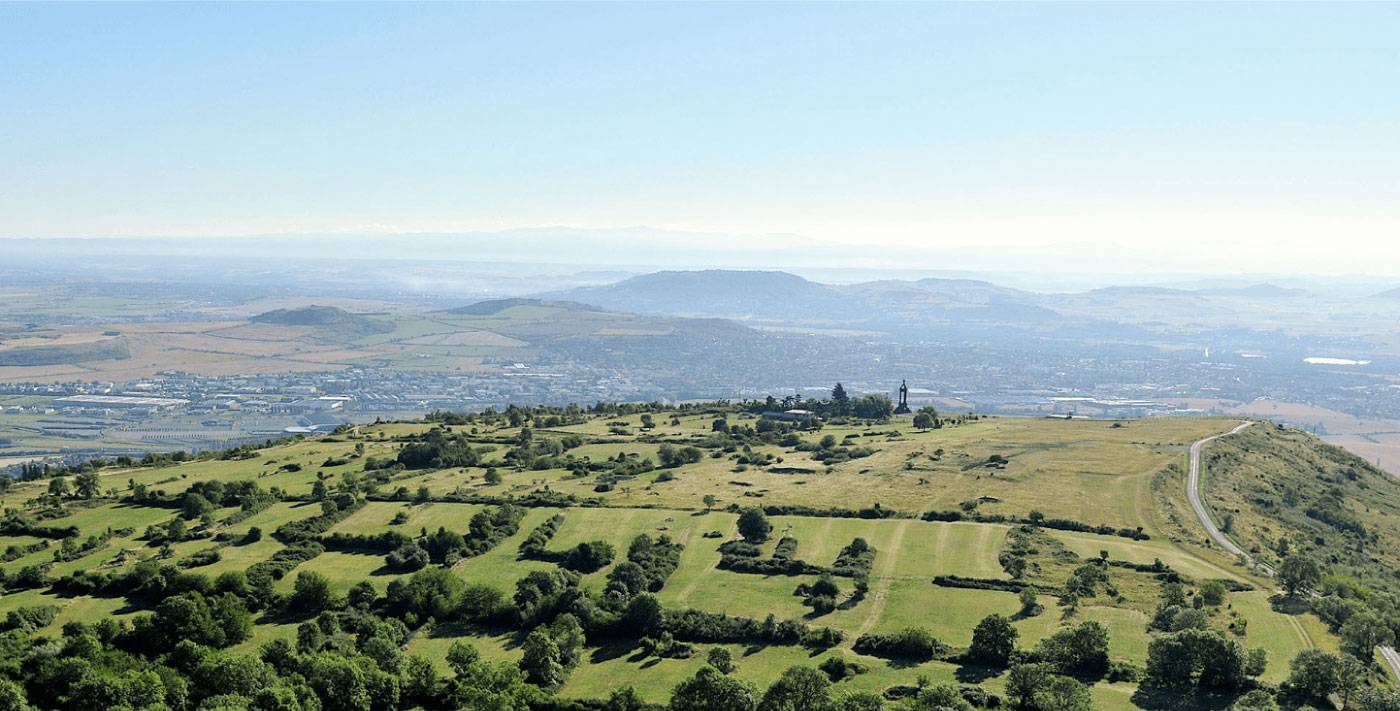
pixel 903 407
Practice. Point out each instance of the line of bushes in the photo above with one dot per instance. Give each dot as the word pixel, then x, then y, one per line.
pixel 333 511
pixel 966 583
pixel 365 543
pixel 284 560
pixel 15 551
pixel 870 512
pixel 855 560
pixel 534 545
pixel 713 627
pixel 910 643
pixel 1059 524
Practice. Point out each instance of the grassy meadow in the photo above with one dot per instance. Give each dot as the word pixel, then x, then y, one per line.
pixel 1095 472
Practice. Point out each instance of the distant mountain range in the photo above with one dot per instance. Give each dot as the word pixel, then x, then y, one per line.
pixel 779 298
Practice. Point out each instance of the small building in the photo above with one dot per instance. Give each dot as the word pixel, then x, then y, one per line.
pixel 789 415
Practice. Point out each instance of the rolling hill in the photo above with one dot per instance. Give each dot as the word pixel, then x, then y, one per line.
pixel 721 293
pixel 551 556
pixel 330 318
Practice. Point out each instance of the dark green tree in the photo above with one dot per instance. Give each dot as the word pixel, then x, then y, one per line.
pixel 993 641
pixel 754 525
pixel 1298 572
pixel 710 690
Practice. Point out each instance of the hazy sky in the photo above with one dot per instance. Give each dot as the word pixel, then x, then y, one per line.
pixel 1242 130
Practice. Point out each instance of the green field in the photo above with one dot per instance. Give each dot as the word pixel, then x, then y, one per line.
pixel 1091 472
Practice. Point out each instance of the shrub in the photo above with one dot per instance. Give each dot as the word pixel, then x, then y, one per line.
pixel 909 643
pixel 588 556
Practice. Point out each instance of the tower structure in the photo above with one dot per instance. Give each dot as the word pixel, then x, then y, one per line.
pixel 903 407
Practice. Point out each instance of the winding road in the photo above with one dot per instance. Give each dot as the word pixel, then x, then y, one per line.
pixel 1392 659
pixel 1193 495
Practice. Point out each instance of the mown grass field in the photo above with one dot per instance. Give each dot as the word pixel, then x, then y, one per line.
pixel 1088 471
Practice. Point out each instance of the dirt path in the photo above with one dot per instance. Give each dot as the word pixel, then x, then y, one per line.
pixel 1302 632
pixel 880 593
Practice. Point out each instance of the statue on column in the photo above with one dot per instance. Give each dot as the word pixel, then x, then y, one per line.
pixel 903 407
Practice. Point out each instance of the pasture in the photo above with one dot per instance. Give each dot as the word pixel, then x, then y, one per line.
pixel 1092 472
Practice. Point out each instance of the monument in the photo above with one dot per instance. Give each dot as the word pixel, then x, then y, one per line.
pixel 903 407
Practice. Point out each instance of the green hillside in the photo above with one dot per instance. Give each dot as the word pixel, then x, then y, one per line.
pixel 548 558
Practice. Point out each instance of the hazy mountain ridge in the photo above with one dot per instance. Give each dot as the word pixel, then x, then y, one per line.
pixel 892 304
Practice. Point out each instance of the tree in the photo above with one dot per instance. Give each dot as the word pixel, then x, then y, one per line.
pixel 88 485
pixel 1351 678
pixel 709 500
pixel 184 617
pixel 567 633
pixel 58 486
pixel 798 689
pixel 1256 700
pixel 923 420
pixel 312 593
pixel 222 673
pixel 420 683
pixel 1030 604
pixel 12 697
pixel 338 681
pixel 1202 656
pixel 840 400
pixel 362 595
pixel 1077 650
pixel 1372 699
pixel 540 662
pixel 1299 572
pixel 721 659
pixel 408 557
pixel 993 641
pixel 194 505
pixel 386 654
pixel 432 593
pixel 625 699
pixel 1313 675
pixel 645 615
pixel 872 407
pixel 940 697
pixel 1024 680
pixel 1213 592
pixel 754 525
pixel 588 556
pixel 1061 693
pixel 1363 632
pixel 710 690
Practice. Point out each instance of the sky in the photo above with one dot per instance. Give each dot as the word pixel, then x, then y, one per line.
pixel 1247 136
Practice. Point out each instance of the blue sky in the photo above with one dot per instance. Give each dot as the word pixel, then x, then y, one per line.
pixel 950 124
